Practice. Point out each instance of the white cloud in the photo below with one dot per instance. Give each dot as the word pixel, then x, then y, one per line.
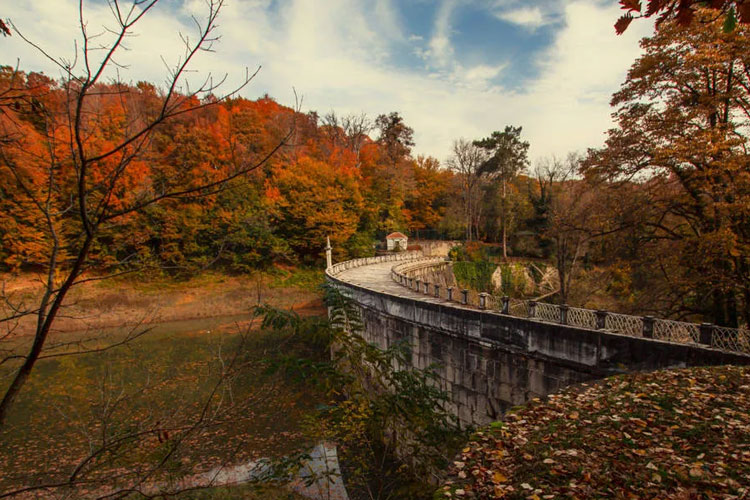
pixel 530 18
pixel 338 55
pixel 389 19
pixel 483 73
pixel 440 51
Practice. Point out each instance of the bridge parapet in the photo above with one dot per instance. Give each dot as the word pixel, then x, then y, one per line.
pixel 724 338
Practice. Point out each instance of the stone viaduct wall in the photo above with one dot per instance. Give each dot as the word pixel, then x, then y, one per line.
pixel 490 362
pixel 435 248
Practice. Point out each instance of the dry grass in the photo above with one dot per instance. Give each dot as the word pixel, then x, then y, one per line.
pixel 125 302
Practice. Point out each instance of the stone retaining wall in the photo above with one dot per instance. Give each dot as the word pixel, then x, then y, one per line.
pixel 490 362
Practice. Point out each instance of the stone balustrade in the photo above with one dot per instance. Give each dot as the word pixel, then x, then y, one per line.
pixel 730 339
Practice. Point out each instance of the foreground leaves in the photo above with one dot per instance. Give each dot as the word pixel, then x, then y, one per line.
pixel 668 434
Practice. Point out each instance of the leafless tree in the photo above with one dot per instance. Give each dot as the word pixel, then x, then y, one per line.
pixel 350 131
pixel 579 210
pixel 90 187
pixel 467 160
pixel 357 129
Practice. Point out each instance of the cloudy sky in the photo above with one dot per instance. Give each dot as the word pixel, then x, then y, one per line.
pixel 452 68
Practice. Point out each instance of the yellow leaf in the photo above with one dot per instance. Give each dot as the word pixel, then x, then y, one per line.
pixel 497 477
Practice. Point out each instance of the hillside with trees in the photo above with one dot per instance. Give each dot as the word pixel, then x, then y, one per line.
pixel 318 178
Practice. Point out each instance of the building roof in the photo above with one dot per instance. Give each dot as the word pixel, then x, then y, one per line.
pixel 395 235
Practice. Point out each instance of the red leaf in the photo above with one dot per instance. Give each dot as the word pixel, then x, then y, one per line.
pixel 743 10
pixel 685 13
pixel 4 28
pixel 631 5
pixel 622 24
pixel 654 6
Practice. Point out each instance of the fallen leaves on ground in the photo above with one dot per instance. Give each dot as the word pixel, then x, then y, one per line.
pixel 668 434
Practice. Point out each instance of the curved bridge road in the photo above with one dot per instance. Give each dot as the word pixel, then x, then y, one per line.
pixel 377 277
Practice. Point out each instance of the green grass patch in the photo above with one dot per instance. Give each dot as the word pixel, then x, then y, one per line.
pixel 302 278
pixel 475 275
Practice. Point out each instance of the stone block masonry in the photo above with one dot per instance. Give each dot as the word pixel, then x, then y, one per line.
pixel 488 361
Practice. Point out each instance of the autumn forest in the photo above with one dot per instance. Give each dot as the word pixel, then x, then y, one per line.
pixel 665 222
pixel 123 200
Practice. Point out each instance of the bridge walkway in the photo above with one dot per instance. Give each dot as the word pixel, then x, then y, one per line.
pixel 377 277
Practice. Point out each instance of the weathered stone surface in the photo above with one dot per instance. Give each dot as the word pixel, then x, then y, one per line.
pixel 489 361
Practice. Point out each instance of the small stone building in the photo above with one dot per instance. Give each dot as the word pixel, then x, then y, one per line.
pixel 396 241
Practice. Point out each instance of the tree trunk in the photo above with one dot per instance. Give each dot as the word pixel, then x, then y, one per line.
pixel 502 209
pixel 468 213
pixel 561 257
pixel 43 328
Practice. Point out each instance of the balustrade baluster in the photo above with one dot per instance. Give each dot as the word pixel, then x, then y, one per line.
pixel 601 319
pixel 706 333
pixel 648 327
pixel 532 308
pixel 564 314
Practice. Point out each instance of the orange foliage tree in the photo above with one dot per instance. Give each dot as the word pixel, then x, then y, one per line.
pixel 683 120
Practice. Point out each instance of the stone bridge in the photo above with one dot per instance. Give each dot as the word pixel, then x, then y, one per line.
pixel 489 361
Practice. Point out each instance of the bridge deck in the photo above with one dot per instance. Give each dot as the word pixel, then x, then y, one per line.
pixel 377 277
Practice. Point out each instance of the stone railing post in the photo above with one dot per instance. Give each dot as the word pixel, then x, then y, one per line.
pixel 464 296
pixel 483 300
pixel 450 293
pixel 532 308
pixel 436 289
pixel 419 285
pixel 426 287
pixel 648 327
pixel 329 259
pixel 411 282
pixel 506 304
pixel 601 319
pixel 564 314
pixel 706 333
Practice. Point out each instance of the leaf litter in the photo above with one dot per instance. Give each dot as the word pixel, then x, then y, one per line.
pixel 678 434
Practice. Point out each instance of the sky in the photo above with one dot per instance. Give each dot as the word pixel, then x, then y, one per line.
pixel 451 68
